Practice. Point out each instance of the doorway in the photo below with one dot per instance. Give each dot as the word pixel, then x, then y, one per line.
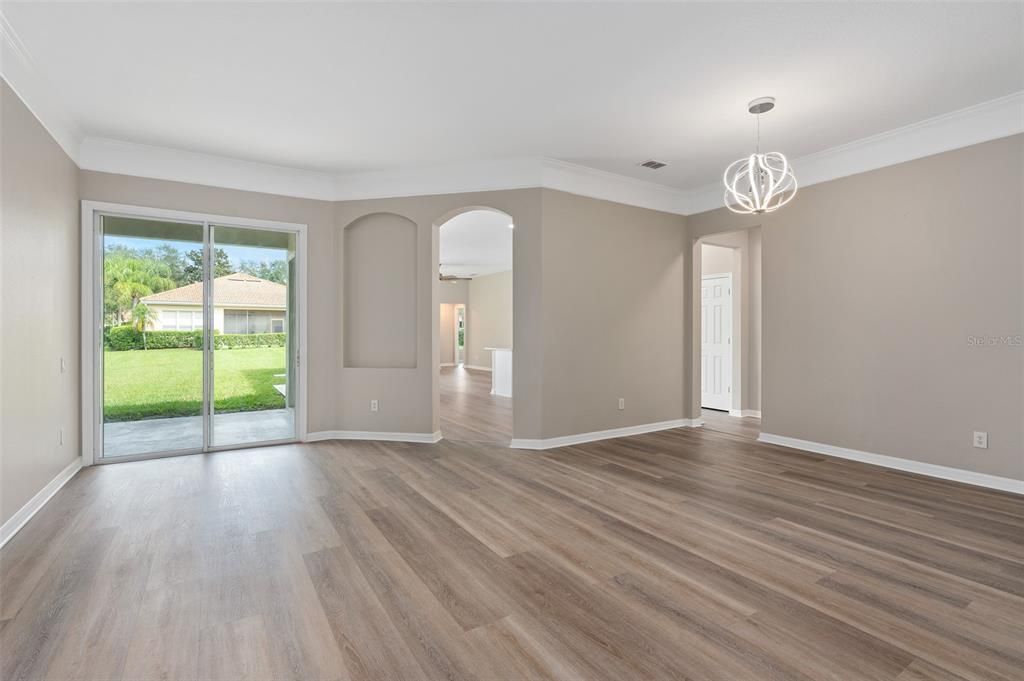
pixel 475 326
pixel 192 333
pixel 460 335
pixel 727 333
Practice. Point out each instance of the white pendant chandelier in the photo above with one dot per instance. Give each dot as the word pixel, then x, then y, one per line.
pixel 759 183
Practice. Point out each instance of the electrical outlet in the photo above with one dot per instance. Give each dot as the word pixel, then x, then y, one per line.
pixel 374 405
pixel 622 403
pixel 980 439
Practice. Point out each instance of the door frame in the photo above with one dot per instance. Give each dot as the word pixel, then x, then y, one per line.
pixel 92 333
pixel 732 333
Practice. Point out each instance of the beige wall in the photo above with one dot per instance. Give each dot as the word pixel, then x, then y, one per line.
pixel 446 334
pixel 873 286
pixel 752 378
pixel 613 306
pixel 453 291
pixel 39 302
pixel 488 317
pixel 716 260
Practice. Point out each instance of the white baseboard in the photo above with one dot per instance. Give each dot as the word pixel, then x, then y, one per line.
pixel 25 513
pixel 565 440
pixel 908 465
pixel 447 364
pixel 428 438
pixel 745 412
pixel 473 366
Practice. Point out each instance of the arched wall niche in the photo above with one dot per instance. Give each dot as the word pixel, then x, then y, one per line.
pixel 379 289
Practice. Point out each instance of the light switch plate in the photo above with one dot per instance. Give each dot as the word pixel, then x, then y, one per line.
pixel 980 439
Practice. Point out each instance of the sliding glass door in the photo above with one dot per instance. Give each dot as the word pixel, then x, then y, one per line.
pixel 196 336
pixel 152 320
pixel 252 307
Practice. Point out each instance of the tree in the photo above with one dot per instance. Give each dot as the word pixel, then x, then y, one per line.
pixel 271 270
pixel 129 276
pixel 175 262
pixel 193 269
pixel 142 318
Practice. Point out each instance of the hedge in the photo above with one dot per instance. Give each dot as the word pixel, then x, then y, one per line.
pixel 227 341
pixel 127 338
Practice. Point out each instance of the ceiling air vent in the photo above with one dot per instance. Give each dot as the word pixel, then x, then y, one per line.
pixel 653 165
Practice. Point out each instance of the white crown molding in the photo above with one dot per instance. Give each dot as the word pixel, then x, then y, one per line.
pixel 599 184
pixel 163 163
pixel 425 438
pixel 579 438
pixel 983 122
pixel 908 465
pixel 21 74
pixel 449 178
pixel 143 160
pixel 26 512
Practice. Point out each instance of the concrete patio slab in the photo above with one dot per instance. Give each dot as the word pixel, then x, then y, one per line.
pixel 186 432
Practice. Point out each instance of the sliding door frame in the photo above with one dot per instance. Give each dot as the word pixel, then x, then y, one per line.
pixel 92 324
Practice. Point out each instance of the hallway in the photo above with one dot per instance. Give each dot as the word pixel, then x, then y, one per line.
pixel 747 427
pixel 469 411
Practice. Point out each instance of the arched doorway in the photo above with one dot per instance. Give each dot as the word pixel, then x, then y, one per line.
pixel 475 325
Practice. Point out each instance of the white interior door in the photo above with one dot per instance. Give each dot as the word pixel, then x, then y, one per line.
pixel 716 341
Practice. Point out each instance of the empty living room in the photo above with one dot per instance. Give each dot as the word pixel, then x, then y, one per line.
pixel 512 341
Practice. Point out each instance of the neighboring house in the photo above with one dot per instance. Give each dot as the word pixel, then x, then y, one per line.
pixel 242 303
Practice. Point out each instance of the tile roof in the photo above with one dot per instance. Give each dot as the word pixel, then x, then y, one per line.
pixel 239 289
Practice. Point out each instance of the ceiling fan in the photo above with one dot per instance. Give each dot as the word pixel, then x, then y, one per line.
pixel 451 277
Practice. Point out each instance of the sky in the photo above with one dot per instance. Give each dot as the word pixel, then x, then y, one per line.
pixel 235 253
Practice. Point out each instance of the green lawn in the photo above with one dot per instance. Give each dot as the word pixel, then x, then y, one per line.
pixel 141 384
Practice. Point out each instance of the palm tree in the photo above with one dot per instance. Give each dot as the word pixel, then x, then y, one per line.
pixel 129 277
pixel 142 318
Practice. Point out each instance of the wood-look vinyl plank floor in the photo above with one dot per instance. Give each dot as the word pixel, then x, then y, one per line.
pixel 469 411
pixel 683 554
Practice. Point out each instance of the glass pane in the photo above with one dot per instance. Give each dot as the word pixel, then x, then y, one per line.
pixel 253 368
pixel 152 364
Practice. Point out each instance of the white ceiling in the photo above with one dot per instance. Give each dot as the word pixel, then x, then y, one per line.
pixel 475 243
pixel 346 88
